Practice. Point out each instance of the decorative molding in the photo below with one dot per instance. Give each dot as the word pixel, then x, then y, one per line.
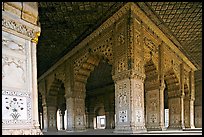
pixel 11 24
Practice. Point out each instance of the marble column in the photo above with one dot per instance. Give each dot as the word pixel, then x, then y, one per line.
pixel 161 85
pixel 192 98
pixel 182 95
pixel 34 76
pixel 52 118
pixel 45 119
pixel 129 106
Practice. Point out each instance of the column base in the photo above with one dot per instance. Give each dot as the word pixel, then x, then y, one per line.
pixel 52 129
pixel 130 130
pixel 176 127
pixel 156 128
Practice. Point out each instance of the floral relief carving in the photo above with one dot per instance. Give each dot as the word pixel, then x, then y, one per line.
pixel 122 95
pixel 14 105
pixel 79 120
pixel 9 64
pixel 10 24
pixel 123 116
pixel 139 118
pixel 13 45
pixel 150 45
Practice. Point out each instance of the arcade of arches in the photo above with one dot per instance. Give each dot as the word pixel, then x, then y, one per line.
pixel 125 76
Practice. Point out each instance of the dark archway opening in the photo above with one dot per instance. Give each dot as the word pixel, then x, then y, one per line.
pixel 100 93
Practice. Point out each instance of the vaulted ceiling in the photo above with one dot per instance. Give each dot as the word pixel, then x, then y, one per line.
pixel 65 24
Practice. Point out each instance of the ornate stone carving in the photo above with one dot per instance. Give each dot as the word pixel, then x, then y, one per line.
pixel 122 95
pixel 174 112
pixel 123 116
pixel 17 107
pixel 13 71
pixel 150 45
pixel 121 65
pixel 11 24
pixel 139 116
pixel 79 120
pixel 12 45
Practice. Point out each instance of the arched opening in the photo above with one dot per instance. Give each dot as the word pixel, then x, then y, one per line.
pixel 53 115
pixel 151 95
pixel 61 108
pixel 174 102
pixel 100 94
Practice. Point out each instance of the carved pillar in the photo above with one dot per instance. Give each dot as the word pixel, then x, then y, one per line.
pixel 198 103
pixel 129 76
pixel 79 106
pixel 161 85
pixel 52 118
pixel 192 98
pixel 68 96
pixel 187 111
pixel 45 119
pixel 34 77
pixel 129 105
pixel 182 94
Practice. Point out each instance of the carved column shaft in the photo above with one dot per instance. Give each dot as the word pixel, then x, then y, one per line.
pixel 52 117
pixel 162 86
pixel 192 98
pixel 45 119
pixel 35 91
pixel 182 94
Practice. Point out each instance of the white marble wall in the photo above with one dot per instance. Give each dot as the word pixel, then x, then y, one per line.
pixel 19 71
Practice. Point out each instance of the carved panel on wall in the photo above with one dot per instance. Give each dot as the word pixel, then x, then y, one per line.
pixel 122 96
pixel 16 107
pixel 79 120
pixel 13 46
pixel 13 72
pixel 174 111
pixel 121 65
pixel 139 116
pixel 104 48
pixel 138 91
pixel 52 119
pixel 152 106
pixel 120 39
pixel 123 116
